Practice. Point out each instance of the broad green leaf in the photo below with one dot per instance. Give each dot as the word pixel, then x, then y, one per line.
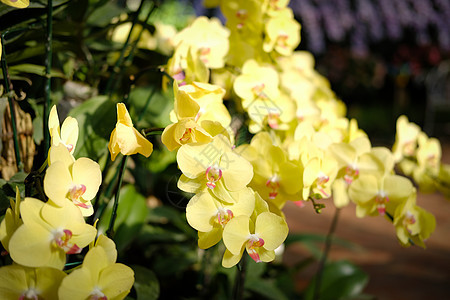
pixel 340 280
pixel 96 119
pixel 156 234
pixel 146 284
pixel 166 214
pixel 266 288
pixel 102 16
pixel 254 270
pixel 33 69
pixel 131 215
pixel 151 107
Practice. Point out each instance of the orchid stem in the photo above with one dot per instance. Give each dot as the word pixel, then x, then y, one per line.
pixel 8 87
pixel 323 260
pixel 112 79
pixel 150 130
pixel 317 206
pixel 239 283
pixel 48 66
pixel 123 164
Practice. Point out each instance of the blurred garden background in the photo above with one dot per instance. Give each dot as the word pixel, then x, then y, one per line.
pixel 383 59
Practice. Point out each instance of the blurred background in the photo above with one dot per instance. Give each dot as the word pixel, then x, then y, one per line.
pixel 384 58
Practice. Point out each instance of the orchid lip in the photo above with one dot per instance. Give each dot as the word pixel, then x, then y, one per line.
pixel 224 216
pixel 97 294
pixel 61 239
pixel 76 191
pixel 380 200
pixel 186 135
pixel 29 294
pixel 273 184
pixel 253 243
pixel 213 174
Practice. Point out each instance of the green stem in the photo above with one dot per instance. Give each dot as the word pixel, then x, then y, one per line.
pixel 8 88
pixel 323 260
pixel 151 131
pixel 112 79
pixel 98 212
pixel 48 66
pixel 129 58
pixel 123 164
pixel 317 206
pixel 99 208
pixel 239 283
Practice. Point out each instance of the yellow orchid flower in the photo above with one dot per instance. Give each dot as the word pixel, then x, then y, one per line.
pixel 186 66
pixel 77 181
pixel 376 195
pixel 125 138
pixel 11 221
pixel 428 164
pixel 429 152
pixel 413 223
pixel 215 166
pixel 260 239
pixel 209 97
pixel 275 178
pixel 282 32
pixel 19 282
pixel 353 159
pixel 275 5
pixel 209 215
pixel 17 3
pixel 99 277
pixel 48 233
pixel 207 38
pixel 405 138
pixel 192 114
pixel 244 17
pixel 256 82
pixel 67 134
pixel 275 113
pixel 442 182
pixel 318 176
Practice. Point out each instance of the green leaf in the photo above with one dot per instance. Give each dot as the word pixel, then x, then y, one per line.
pixel 102 16
pixel 166 214
pixel 96 119
pixel 18 180
pixel 151 112
pixel 33 69
pixel 156 234
pixel 131 215
pixel 254 270
pixel 340 280
pixel 146 284
pixel 266 288
pixel 8 189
